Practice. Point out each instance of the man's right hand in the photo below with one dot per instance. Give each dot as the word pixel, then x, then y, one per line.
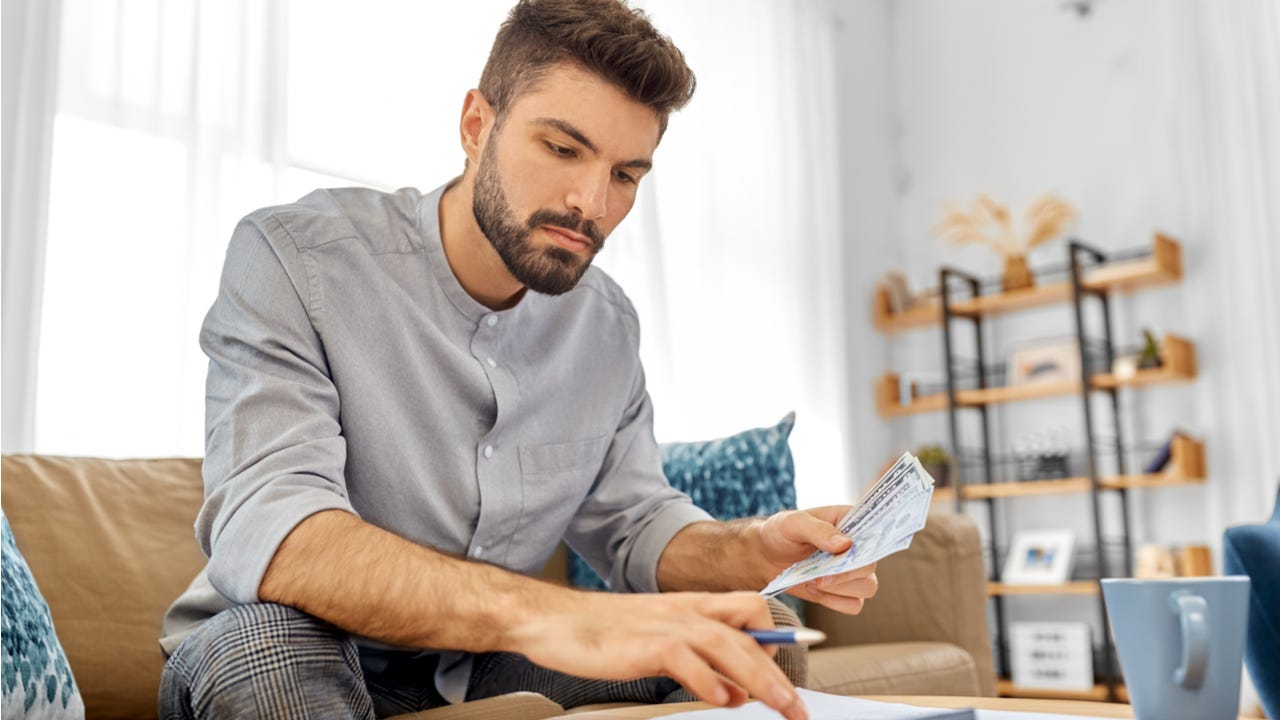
pixel 694 638
pixel 378 585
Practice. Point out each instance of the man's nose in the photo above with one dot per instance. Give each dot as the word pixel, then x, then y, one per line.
pixel 590 194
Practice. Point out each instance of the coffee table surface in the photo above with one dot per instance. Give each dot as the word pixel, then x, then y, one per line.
pixel 1062 707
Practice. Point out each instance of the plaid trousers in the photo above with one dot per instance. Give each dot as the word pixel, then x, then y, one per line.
pixel 272 661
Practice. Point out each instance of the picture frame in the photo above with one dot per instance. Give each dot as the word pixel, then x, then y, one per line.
pixel 1045 362
pixel 1051 655
pixel 1039 557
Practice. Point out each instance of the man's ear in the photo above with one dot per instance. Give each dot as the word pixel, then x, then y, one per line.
pixel 476 124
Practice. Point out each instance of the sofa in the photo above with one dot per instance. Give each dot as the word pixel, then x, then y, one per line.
pixel 110 544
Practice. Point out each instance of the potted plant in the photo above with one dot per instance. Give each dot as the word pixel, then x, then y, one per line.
pixel 937 463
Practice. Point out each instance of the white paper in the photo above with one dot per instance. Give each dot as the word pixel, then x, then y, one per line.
pixel 824 706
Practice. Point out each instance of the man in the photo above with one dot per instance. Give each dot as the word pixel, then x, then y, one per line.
pixel 413 398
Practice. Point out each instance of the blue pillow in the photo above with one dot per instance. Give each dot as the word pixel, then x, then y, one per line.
pixel 745 475
pixel 36 678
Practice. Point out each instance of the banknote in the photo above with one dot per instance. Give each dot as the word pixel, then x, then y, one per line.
pixel 882 523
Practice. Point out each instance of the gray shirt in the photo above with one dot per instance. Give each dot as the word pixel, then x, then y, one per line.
pixel 348 369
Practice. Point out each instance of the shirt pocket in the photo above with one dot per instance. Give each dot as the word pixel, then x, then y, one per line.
pixel 555 480
pixel 565 457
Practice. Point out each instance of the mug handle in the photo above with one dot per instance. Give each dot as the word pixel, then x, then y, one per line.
pixel 1191 611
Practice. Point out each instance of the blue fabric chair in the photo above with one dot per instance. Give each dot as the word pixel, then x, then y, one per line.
pixel 1254 550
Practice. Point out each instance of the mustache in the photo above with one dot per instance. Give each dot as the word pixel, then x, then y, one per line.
pixel 569 221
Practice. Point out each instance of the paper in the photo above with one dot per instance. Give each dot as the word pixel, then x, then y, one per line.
pixel 881 524
pixel 824 706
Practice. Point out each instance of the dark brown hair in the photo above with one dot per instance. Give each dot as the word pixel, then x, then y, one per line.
pixel 606 37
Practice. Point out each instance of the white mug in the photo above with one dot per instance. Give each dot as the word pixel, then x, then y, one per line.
pixel 1181 644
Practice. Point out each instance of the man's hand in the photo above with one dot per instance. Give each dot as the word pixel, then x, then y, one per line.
pixel 793 535
pixel 378 585
pixel 694 638
pixel 747 554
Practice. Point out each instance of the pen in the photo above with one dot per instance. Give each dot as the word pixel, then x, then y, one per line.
pixel 788 636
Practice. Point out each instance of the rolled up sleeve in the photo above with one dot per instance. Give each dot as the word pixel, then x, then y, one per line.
pixel 274 451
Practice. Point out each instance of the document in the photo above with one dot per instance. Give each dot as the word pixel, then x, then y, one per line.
pixel 881 524
pixel 824 706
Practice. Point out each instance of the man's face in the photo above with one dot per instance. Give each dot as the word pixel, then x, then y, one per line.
pixel 558 173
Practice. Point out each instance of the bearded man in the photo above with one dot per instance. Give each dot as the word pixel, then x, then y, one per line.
pixel 413 398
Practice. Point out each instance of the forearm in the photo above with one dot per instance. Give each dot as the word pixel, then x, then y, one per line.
pixel 715 557
pixel 373 583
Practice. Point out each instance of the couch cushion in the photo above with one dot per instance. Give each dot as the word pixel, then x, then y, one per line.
pixel 111 544
pixel 906 668
pixel 749 474
pixel 37 682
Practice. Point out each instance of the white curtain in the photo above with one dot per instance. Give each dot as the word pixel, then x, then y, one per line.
pixel 734 255
pixel 1229 131
pixel 30 65
pixel 175 117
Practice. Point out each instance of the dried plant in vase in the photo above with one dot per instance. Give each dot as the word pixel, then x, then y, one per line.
pixel 990 223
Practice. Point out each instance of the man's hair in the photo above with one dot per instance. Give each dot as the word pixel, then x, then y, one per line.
pixel 606 37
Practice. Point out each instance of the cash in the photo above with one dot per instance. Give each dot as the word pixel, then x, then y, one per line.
pixel 881 524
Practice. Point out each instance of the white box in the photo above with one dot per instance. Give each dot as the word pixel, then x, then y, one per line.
pixel 1051 655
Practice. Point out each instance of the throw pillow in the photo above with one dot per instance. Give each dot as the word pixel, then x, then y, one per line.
pixel 36 679
pixel 744 475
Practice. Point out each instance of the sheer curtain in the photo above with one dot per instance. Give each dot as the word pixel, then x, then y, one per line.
pixel 176 117
pixel 1229 132
pixel 734 254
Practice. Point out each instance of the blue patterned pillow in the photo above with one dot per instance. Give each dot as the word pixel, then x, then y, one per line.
pixel 36 679
pixel 745 475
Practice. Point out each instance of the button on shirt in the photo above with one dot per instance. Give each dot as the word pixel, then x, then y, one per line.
pixel 348 369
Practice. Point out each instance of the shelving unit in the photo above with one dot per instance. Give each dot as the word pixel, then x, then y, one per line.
pixel 1162 266
pixel 1179 366
pixel 1092 277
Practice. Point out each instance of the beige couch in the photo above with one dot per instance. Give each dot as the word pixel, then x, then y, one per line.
pixel 110 545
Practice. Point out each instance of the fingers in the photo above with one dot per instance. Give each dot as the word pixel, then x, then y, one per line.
pixel 689 669
pixel 849 604
pixel 738 657
pixel 806 529
pixel 862 583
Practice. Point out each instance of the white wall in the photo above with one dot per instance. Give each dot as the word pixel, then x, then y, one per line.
pixel 1014 98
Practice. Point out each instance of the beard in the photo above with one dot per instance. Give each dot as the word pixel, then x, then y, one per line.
pixel 546 270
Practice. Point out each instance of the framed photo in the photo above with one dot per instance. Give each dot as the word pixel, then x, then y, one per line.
pixel 1051 655
pixel 1039 557
pixel 1045 362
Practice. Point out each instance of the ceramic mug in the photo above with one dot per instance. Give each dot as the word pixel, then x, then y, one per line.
pixel 1181 644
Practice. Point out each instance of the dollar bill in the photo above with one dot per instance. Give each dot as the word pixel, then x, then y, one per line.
pixel 882 523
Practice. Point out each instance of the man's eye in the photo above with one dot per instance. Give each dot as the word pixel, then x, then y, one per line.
pixel 624 177
pixel 560 150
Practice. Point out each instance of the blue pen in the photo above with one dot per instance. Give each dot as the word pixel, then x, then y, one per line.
pixel 788 636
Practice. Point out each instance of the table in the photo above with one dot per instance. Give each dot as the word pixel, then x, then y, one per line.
pixel 1062 707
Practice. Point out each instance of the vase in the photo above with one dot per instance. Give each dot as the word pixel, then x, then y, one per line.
pixel 1017 275
pixel 941 473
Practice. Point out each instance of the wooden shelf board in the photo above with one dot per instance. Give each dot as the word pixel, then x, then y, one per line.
pixel 1162 267
pixel 920 316
pixel 928 403
pixel 1006 688
pixel 1025 299
pixel 1130 482
pixel 1106 381
pixel 1012 393
pixel 1186 467
pixel 1062 486
pixel 1180 366
pixel 1079 587
pixel 944 496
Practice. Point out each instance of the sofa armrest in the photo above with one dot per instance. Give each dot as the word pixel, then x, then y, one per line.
pixel 934 591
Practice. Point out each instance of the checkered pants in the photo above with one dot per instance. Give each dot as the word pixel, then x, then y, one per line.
pixel 271 661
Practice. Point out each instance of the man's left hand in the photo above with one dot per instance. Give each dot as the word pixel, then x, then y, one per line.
pixel 793 535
